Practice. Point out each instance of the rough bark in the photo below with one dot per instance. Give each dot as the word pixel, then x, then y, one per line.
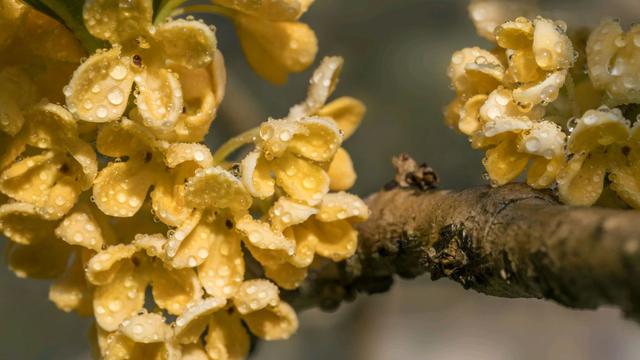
pixel 512 241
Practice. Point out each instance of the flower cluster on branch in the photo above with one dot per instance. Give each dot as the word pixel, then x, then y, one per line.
pixel 107 189
pixel 558 105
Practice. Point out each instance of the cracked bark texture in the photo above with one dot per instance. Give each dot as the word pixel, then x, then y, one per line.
pixel 512 241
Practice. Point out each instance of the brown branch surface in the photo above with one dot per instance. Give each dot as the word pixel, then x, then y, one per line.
pixel 512 242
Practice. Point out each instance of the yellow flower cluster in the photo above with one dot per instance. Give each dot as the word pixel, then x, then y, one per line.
pixel 551 103
pixel 139 225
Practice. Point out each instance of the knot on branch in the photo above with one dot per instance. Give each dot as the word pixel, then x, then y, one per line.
pixel 452 256
pixel 411 175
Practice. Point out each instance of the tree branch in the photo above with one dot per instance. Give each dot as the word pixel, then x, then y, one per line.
pixel 512 241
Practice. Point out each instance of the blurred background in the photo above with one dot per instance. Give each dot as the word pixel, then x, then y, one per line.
pixel 396 54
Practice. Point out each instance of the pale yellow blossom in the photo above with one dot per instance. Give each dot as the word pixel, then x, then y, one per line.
pixel 274 42
pixel 152 57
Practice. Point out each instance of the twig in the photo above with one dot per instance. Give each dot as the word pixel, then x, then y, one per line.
pixel 512 241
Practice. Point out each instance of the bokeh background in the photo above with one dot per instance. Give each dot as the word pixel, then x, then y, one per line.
pixel 396 55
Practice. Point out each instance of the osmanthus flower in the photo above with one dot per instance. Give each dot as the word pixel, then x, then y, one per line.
pixel 326 230
pixel 612 57
pixel 600 144
pixel 122 186
pixel 539 54
pixel 299 149
pixel 152 57
pixel 59 250
pixel 122 272
pixel 346 112
pixel 142 336
pixel 60 167
pixel 474 74
pixel 38 57
pixel 532 61
pixel 275 43
pixel 255 306
pixel 513 139
pixel 44 249
pixel 208 240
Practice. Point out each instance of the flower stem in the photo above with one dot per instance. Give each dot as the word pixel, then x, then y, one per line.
pixel 166 9
pixel 234 144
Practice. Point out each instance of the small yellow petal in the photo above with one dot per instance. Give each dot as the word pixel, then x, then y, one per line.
pixel 544 139
pixel 581 181
pixel 123 138
pixel 275 49
pixel 286 275
pixel 286 212
pixel 551 46
pixel 180 153
pixel 47 181
pixel 341 173
pixel 215 187
pixel 81 228
pixel 523 68
pixel 43 260
pixel 307 240
pixel 452 112
pixel 256 175
pixel 301 179
pixel 543 92
pixel 71 291
pixel 254 295
pixel 260 235
pixel 227 338
pixel 174 289
pixel 337 240
pixel 543 172
pixel 192 323
pixel 611 55
pixel 322 84
pixel 100 87
pixel 22 224
pixel 119 299
pixel 273 323
pixel 117 22
pixel 517 34
pixel 104 266
pixel 152 244
pixel 167 196
pixel 192 236
pixel 487 15
pixel 504 163
pixel 203 90
pixel 274 10
pixel 146 328
pixel 267 257
pixel 625 181
pixel 342 206
pixel 194 352
pixel 186 43
pixel 347 112
pixel 597 128
pixel 475 71
pixel 159 98
pixel 121 188
pixel 223 270
pixel 319 141
pixel 470 121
